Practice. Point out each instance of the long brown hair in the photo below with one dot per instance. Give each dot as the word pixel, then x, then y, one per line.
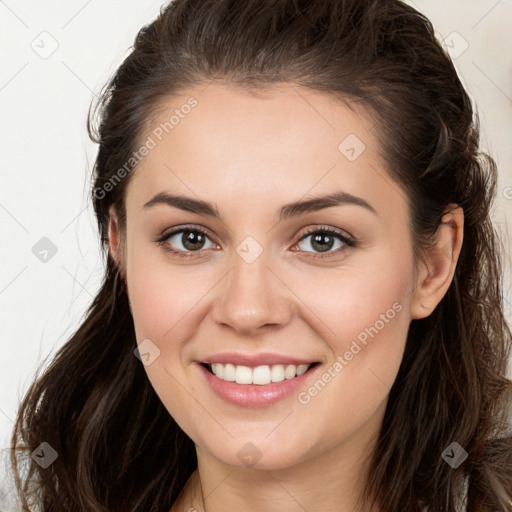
pixel 118 448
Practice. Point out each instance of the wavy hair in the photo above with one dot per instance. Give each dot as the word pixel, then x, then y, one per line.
pixel 118 447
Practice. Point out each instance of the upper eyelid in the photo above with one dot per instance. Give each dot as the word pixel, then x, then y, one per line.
pixel 333 231
pixel 188 227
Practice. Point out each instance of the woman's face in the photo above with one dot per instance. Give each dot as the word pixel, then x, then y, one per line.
pixel 255 284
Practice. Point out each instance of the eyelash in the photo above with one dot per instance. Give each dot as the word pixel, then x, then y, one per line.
pixel 349 242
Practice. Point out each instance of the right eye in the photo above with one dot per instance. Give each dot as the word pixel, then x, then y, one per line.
pixel 191 239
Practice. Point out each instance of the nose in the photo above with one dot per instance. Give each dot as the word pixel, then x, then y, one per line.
pixel 253 298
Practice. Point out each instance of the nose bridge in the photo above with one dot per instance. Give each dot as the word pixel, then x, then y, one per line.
pixel 252 296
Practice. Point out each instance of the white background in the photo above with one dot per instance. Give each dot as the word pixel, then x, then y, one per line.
pixel 47 158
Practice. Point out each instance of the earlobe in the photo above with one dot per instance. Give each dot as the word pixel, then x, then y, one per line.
pixel 438 268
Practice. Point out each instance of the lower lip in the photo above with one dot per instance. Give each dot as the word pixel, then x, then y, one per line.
pixel 254 395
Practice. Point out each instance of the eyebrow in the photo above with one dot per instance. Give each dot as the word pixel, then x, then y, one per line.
pixel 288 210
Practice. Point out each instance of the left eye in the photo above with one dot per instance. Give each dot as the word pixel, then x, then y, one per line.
pixel 322 240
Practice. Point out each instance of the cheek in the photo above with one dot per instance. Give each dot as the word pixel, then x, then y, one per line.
pixel 161 296
pixel 160 293
pixel 367 317
pixel 153 302
pixel 364 316
pixel 369 308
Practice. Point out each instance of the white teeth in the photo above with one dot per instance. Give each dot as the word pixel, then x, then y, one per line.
pixel 220 371
pixel 277 373
pixel 243 374
pixel 229 372
pixel 260 375
pixel 290 371
pixel 302 369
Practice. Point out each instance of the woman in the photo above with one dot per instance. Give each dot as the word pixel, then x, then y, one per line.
pixel 302 304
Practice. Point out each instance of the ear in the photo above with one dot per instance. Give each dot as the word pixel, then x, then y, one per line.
pixel 115 240
pixel 436 271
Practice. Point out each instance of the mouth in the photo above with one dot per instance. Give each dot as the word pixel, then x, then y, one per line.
pixel 259 375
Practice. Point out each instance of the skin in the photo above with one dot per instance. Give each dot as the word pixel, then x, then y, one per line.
pixel 249 155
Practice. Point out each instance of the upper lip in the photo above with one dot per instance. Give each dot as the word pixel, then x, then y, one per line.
pixel 254 360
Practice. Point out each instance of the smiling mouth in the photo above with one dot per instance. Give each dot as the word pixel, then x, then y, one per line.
pixel 259 375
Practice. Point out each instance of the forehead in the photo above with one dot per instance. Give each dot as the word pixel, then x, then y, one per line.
pixel 284 113
pixel 275 144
